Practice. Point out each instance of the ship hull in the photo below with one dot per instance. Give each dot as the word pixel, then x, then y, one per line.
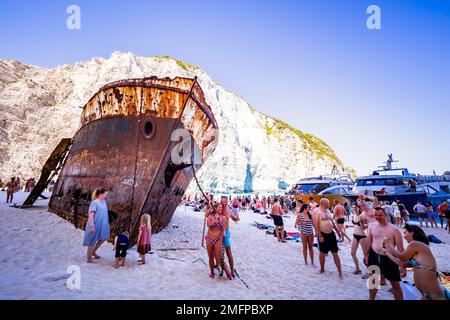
pixel 131 155
pixel 408 200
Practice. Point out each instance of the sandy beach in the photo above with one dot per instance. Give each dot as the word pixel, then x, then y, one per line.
pixel 38 247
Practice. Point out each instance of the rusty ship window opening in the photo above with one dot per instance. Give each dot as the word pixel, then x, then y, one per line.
pixel 170 171
pixel 148 129
pixel 77 194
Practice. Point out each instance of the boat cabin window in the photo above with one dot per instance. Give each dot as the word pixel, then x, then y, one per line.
pixel 341 191
pixel 445 189
pixel 379 182
pixel 429 190
pixel 312 188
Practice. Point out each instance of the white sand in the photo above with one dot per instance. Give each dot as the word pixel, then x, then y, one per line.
pixel 38 246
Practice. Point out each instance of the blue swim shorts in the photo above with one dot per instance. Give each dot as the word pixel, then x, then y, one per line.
pixel 227 240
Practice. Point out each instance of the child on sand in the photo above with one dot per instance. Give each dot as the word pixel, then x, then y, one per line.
pixel 121 247
pixel 143 241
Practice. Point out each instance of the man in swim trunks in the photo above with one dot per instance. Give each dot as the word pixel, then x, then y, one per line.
pixel 376 256
pixel 323 226
pixel 10 188
pixel 367 204
pixel 339 215
pixel 278 220
pixel 421 210
pixel 226 226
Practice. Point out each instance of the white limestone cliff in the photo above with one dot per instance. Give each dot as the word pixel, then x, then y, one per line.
pixel 40 106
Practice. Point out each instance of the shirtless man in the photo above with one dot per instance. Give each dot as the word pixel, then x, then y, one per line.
pixel 226 226
pixel 278 220
pixel 367 204
pixel 17 184
pixel 323 226
pixel 10 189
pixel 264 204
pixel 339 215
pixel 378 232
pixel 312 203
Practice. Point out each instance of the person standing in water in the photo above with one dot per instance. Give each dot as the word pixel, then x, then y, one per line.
pixel 97 227
pixel 323 226
pixel 226 212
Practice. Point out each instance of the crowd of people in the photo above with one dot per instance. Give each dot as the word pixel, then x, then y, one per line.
pixel 97 231
pixel 377 232
pixel 14 185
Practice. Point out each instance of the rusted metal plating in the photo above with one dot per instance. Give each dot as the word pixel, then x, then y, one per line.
pixel 124 144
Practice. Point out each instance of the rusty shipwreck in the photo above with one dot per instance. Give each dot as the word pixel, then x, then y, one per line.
pixel 126 144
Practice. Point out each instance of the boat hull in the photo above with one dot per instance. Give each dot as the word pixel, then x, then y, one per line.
pixel 131 154
pixel 409 200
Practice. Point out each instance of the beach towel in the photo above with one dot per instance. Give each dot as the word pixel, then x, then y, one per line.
pixel 445 279
pixel 293 234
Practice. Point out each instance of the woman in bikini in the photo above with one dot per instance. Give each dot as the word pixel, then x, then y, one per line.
pixel 214 238
pixel 431 214
pixel 419 256
pixel 304 224
pixel 359 236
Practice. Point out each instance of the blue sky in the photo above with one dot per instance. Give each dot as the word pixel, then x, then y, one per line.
pixel 313 64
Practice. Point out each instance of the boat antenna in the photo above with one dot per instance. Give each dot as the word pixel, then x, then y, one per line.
pixel 388 163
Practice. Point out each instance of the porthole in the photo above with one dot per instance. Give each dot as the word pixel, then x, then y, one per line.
pixel 148 129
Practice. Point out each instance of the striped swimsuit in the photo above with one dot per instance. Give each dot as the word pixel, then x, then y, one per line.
pixel 306 226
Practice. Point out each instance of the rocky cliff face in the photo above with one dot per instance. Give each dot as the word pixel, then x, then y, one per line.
pixel 256 152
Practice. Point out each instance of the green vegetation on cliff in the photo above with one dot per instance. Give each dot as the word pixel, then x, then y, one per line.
pixel 310 142
pixel 181 64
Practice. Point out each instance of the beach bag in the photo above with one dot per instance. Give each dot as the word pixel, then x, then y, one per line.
pixel 434 239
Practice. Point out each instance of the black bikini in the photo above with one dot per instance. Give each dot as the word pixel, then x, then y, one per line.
pixel 358 237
